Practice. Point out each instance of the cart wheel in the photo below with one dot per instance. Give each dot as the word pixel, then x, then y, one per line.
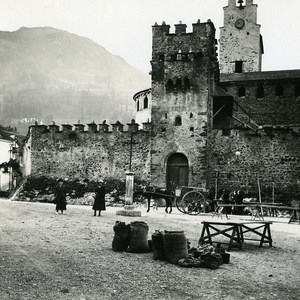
pixel 193 203
pixel 179 205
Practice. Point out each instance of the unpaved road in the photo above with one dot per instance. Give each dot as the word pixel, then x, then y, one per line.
pixel 49 256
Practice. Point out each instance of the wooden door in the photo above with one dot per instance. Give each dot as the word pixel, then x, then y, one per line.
pixel 177 171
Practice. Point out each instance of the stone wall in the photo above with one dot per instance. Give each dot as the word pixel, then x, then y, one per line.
pixel 271 108
pixel 275 158
pixel 87 154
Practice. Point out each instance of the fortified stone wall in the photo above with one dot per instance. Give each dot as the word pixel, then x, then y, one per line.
pixel 243 155
pixel 92 154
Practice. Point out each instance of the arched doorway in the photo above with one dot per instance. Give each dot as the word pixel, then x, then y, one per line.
pixel 177 171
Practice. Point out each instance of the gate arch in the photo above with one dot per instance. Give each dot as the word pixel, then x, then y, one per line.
pixel 177 171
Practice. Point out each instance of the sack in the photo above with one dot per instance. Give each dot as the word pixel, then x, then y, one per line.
pixel 122 236
pixel 158 246
pixel 211 260
pixel 138 237
pixel 175 245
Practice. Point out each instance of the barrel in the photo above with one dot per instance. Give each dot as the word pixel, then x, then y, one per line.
pixel 175 245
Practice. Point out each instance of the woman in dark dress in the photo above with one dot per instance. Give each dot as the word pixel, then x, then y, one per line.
pixel 99 203
pixel 60 197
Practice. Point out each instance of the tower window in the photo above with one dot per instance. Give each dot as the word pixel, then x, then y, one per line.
pixel 169 85
pixel 161 57
pixel 297 89
pixel 279 90
pixel 138 106
pixel 186 84
pixel 166 116
pixel 260 92
pixel 242 92
pixel 178 121
pixel 191 115
pixel 238 66
pixel 178 85
pixel 146 102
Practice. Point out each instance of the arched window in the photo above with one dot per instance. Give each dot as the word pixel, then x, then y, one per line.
pixel 297 89
pixel 186 84
pixel 138 106
pixel 191 115
pixel 146 102
pixel 260 92
pixel 242 92
pixel 279 90
pixel 169 85
pixel 178 121
pixel 178 85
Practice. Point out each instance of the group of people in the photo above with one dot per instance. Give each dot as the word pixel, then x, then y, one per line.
pixel 233 198
pixel 61 202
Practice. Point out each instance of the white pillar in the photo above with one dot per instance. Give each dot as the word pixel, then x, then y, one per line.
pixel 129 209
pixel 129 188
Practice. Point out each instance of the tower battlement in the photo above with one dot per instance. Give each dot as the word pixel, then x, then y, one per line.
pixel 180 28
pixel 101 128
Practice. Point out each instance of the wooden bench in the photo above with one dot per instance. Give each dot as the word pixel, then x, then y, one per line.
pixel 235 232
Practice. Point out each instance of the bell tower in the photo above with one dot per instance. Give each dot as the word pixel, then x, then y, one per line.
pixel 241 45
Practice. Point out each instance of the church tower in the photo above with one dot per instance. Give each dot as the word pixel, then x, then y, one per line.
pixel 241 45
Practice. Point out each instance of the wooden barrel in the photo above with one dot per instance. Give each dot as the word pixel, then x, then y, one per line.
pixel 138 237
pixel 175 245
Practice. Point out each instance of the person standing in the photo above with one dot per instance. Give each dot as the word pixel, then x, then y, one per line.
pixel 60 197
pixel 226 200
pixel 99 203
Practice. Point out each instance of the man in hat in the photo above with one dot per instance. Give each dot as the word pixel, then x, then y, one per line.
pixel 99 203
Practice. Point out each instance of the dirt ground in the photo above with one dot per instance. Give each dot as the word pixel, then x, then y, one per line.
pixel 49 256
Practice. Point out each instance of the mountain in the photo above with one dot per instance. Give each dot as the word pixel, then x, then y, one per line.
pixel 48 75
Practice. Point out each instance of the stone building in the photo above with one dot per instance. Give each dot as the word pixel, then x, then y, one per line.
pixel 196 124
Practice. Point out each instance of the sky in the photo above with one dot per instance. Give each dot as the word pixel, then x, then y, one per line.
pixel 123 27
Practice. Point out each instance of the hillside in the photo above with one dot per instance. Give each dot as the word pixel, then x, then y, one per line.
pixel 49 74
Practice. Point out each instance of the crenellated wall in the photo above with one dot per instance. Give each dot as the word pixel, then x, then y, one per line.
pixel 93 153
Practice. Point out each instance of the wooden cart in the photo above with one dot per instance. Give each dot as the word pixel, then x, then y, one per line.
pixel 191 200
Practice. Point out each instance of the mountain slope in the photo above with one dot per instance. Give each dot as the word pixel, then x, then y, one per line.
pixel 50 74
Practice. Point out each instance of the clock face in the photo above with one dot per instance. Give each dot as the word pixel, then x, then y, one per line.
pixel 240 23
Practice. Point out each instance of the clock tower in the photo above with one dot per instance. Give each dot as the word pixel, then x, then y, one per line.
pixel 241 45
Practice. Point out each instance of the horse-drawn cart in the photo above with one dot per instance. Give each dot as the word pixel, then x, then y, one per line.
pixel 191 200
